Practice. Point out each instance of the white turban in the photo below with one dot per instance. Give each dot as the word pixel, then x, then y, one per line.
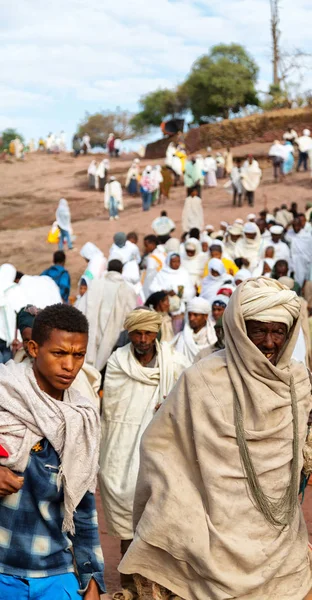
pixel 143 319
pixel 251 217
pixel 306 132
pixel 199 306
pixel 215 264
pixel 250 228
pixel 268 301
pixel 276 229
pixel 220 299
pixel 242 275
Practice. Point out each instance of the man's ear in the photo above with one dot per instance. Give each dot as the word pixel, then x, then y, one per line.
pixel 33 348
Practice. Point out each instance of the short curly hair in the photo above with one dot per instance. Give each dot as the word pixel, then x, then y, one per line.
pixel 58 316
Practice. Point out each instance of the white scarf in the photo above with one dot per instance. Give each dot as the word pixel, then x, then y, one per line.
pixel 72 427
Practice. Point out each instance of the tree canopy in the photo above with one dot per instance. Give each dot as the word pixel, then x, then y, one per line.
pixel 7 136
pixel 101 124
pixel 222 82
pixel 158 105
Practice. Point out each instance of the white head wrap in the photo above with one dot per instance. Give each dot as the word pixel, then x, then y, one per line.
pixel 251 217
pixel 199 306
pixel 250 228
pixel 239 221
pixel 90 250
pixel 172 245
pixel 215 264
pixel 306 132
pixel 268 301
pixel 242 275
pixel 209 227
pixel 221 298
pixel 276 229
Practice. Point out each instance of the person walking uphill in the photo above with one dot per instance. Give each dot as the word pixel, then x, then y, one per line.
pixel 63 220
pixel 138 378
pixel 238 416
pixel 49 442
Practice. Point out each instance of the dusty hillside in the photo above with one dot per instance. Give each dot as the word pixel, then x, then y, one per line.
pixel 30 192
pixel 264 127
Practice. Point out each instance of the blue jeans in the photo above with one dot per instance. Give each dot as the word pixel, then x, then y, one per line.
pixel 65 235
pixel 113 207
pixel 147 199
pixel 56 587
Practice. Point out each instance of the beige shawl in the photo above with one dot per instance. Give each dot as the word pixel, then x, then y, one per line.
pixel 106 304
pixel 27 414
pixel 198 531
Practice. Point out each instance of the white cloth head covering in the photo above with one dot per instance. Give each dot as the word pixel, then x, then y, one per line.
pixel 220 298
pixel 90 250
pixel 268 301
pixel 276 229
pixel 215 264
pixel 199 306
pixel 250 228
pixel 306 132
pixel 63 215
pixel 192 244
pixel 209 227
pixel 287 282
pixel 239 221
pixel 251 217
pixel 242 275
pixel 235 230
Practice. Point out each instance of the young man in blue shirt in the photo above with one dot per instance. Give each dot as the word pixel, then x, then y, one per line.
pixel 49 440
pixel 59 274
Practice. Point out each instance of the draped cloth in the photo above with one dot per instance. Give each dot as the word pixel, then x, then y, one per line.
pixel 72 427
pixel 131 392
pixel 63 217
pixel 198 530
pixel 190 344
pixel 192 214
pixel 106 304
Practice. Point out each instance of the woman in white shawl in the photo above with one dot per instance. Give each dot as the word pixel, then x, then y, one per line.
pixel 215 279
pixel 251 177
pixel 210 168
pixel 174 279
pixel 249 245
pixel 96 260
pixel 194 260
pixel 193 214
pixel 63 220
pixel 101 173
pixel 92 169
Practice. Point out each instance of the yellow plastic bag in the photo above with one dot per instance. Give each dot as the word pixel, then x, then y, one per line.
pixel 53 235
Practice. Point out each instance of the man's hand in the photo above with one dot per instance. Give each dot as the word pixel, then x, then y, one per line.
pixel 92 592
pixel 9 482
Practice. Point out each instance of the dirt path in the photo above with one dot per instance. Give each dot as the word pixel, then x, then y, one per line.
pixel 30 192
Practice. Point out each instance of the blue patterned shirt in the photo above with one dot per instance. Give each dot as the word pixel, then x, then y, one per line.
pixel 32 543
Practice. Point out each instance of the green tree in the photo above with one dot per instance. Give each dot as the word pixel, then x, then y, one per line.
pixel 158 105
pixel 7 136
pixel 221 82
pixel 101 124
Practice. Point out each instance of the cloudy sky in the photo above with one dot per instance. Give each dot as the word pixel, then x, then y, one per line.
pixel 61 58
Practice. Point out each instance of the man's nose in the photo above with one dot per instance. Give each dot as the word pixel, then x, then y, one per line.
pixel 68 363
pixel 268 341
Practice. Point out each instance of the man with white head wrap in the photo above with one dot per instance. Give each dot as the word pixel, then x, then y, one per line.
pixel 239 415
pixel 198 332
pixel 281 250
pixel 138 378
pixel 248 246
pixel 241 276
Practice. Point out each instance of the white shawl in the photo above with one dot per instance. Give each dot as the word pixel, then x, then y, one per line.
pixel 72 427
pixel 131 394
pixel 186 342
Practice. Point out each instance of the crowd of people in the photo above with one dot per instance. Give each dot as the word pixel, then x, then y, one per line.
pixel 177 378
pixel 282 153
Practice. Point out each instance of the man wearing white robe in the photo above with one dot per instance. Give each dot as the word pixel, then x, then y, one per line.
pixel 301 252
pixel 106 303
pixel 138 378
pixel 193 214
pixel 198 332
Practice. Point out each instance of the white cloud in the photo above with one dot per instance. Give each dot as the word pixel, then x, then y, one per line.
pixel 68 57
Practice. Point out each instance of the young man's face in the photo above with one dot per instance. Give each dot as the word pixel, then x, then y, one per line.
pixel 143 341
pixel 58 361
pixel 197 321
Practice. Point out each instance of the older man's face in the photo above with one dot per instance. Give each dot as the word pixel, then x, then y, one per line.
pixel 268 337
